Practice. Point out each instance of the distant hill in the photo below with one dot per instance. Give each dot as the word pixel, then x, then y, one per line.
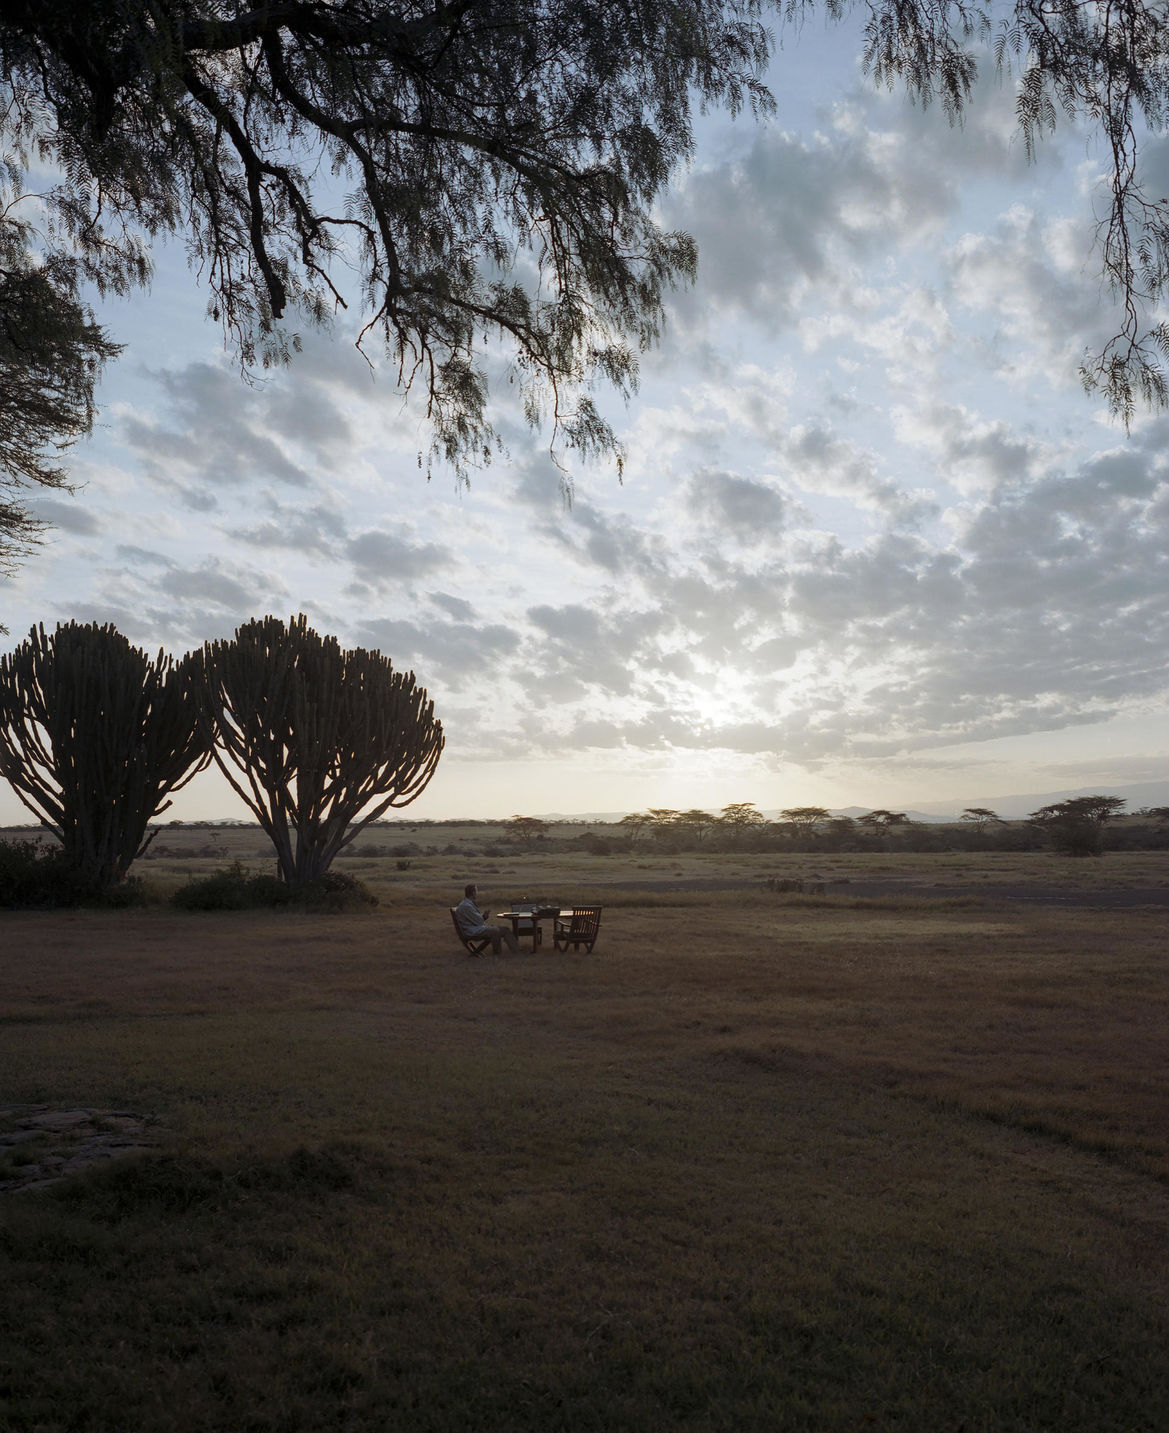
pixel 1015 807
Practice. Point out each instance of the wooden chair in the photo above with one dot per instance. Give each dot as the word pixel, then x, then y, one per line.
pixel 579 928
pixel 474 944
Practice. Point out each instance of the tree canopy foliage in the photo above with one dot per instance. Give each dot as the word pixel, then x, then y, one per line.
pixel 882 818
pixel 316 740
pixel 1104 65
pixel 806 820
pixel 528 829
pixel 1076 826
pixel 94 738
pixel 51 351
pixel 980 817
pixel 466 168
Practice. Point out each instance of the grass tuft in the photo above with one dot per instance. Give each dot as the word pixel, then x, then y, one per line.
pixel 125 1191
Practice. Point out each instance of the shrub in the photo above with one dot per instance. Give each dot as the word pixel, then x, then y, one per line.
pixel 231 890
pixel 33 873
pixel 234 890
pixel 28 872
pixel 336 891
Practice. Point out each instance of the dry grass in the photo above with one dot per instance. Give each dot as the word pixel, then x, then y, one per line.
pixel 189 852
pixel 750 1166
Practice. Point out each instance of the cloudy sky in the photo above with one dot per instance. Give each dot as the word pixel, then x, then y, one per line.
pixel 874 545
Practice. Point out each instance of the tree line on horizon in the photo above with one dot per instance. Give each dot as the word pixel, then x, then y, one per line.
pixel 317 741
pixel 1076 827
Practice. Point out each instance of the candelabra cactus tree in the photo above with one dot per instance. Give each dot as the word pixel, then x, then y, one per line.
pixel 94 736
pixel 316 740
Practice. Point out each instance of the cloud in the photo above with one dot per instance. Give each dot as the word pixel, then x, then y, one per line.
pixel 382 560
pixel 1047 608
pixel 818 460
pixel 316 531
pixel 182 607
pixel 214 437
pixel 975 455
pixel 456 655
pixel 1034 274
pixel 130 555
pixel 793 213
pixel 747 509
pixel 70 517
pixel 208 436
pixel 210 585
pixel 457 607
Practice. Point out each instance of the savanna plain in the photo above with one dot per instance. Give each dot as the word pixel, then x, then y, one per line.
pixel 761 1161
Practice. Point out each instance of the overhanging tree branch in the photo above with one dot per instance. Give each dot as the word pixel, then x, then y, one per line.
pixel 504 158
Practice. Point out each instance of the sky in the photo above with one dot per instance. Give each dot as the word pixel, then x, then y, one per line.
pixel 874 545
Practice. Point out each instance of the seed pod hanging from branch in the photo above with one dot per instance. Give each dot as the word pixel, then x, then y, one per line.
pixel 94 737
pixel 317 741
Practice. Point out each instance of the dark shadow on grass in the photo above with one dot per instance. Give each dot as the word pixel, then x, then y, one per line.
pixel 171 1183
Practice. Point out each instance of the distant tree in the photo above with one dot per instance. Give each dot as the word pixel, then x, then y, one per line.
pixel 741 814
pixel 882 818
pixel 1076 827
pixel 980 817
pixel 662 822
pixel 840 831
pixel 634 823
pixel 739 823
pixel 326 740
pixel 879 822
pixel 527 830
pixel 695 824
pixel 94 738
pixel 805 821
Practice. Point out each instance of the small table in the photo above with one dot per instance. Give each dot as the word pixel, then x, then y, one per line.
pixel 525 920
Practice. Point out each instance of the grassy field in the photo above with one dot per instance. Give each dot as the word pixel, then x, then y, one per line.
pixel 442 857
pixel 758 1163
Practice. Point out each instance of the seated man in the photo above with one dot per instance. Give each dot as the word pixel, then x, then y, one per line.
pixel 472 922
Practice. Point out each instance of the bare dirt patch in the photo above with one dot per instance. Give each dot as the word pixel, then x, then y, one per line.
pixel 43 1144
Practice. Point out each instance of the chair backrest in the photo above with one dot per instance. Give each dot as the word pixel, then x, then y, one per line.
pixel 474 943
pixel 586 921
